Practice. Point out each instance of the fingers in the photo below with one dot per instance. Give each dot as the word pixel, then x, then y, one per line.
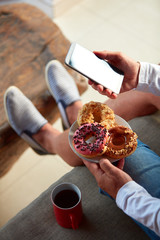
pixel 98 170
pixel 109 55
pixel 91 166
pixel 101 54
pixel 94 169
pixel 96 86
pixel 104 91
pixel 120 163
pixel 106 165
pixel 110 94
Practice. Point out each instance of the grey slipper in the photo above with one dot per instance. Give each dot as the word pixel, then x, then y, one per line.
pixel 62 87
pixel 23 117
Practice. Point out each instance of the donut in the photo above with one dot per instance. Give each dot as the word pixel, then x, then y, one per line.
pixel 96 112
pixel 96 136
pixel 122 142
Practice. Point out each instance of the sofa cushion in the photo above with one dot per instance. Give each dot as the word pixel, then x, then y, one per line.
pixel 148 130
pixel 102 218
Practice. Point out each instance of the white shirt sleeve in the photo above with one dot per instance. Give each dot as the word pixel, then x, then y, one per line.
pixel 149 78
pixel 136 202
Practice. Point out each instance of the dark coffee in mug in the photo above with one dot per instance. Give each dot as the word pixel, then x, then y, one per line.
pixel 67 205
pixel 66 199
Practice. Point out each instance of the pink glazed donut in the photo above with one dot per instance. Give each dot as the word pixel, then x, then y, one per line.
pixel 97 146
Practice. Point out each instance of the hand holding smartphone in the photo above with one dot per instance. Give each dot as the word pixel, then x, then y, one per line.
pixel 88 64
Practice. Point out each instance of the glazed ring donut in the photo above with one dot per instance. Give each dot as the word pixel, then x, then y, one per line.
pixel 94 147
pixel 122 142
pixel 96 112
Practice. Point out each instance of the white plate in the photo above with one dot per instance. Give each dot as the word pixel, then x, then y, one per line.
pixel 119 121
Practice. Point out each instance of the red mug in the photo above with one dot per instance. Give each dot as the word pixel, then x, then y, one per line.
pixel 67 206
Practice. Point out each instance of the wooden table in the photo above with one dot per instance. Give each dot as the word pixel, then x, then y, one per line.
pixel 28 41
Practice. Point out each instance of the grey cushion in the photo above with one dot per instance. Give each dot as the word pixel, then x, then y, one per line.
pixel 102 218
pixel 148 130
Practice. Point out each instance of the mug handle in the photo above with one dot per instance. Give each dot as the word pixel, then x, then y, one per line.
pixel 74 222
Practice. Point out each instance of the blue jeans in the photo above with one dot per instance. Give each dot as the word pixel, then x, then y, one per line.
pixel 144 167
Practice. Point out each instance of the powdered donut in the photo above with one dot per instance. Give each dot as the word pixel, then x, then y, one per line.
pixel 96 112
pixel 122 142
pixel 90 149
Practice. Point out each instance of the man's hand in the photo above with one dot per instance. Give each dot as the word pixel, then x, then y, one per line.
pixel 108 177
pixel 122 62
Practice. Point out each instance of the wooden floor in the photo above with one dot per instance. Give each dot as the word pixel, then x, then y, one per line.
pixel 28 41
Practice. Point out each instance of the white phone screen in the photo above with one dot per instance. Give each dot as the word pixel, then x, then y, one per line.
pixel 98 70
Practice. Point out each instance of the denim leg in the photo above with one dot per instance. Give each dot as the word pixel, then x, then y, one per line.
pixel 144 167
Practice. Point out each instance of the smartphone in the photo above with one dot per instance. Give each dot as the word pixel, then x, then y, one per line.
pixel 88 64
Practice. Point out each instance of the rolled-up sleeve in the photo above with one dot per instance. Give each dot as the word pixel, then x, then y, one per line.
pixel 136 202
pixel 149 78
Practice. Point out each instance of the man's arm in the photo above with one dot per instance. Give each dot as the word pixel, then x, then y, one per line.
pixel 149 78
pixel 133 199
pixel 136 202
pixel 140 76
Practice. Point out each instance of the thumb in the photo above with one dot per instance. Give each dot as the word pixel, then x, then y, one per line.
pixel 106 165
pixel 108 55
pixel 101 54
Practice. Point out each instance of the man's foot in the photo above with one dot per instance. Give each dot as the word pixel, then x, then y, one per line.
pixel 64 90
pixel 23 117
